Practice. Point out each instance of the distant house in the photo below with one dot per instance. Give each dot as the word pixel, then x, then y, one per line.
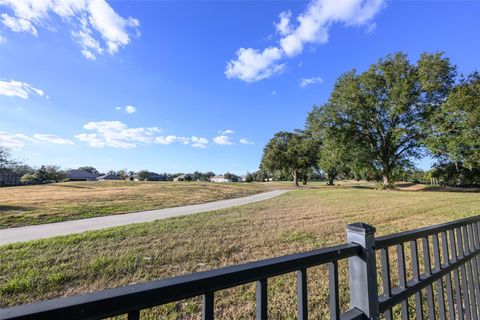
pixel 80 175
pixel 219 179
pixel 108 177
pixel 152 176
pixel 9 179
pixel 183 177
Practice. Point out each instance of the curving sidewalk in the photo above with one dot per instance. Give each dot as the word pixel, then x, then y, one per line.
pixel 48 230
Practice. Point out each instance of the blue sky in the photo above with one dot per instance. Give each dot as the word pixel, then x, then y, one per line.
pixel 164 86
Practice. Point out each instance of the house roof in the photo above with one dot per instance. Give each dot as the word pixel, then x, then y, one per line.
pixel 217 177
pixel 153 174
pixel 80 174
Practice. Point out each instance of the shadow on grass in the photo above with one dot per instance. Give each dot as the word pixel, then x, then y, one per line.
pixel 4 208
pixel 75 186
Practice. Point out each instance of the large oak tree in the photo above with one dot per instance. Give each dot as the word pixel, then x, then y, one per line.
pixel 379 116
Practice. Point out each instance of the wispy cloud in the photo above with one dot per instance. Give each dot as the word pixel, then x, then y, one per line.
pixel 116 134
pixel 171 139
pixel 94 25
pixel 130 109
pixel 11 141
pixel 223 140
pixel 312 27
pixel 127 109
pixel 198 142
pixel 19 89
pixel 245 141
pixel 51 138
pixel 304 82
pixel 227 131
pixel 17 140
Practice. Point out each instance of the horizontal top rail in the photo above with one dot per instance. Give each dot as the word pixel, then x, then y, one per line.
pixel 129 298
pixel 393 239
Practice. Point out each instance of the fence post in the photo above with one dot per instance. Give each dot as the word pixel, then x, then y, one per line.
pixel 363 270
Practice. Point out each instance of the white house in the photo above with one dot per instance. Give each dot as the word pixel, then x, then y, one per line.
pixel 108 177
pixel 219 179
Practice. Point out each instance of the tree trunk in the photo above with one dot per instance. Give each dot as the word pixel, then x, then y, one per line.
pixel 295 178
pixel 330 180
pixel 387 181
pixel 305 180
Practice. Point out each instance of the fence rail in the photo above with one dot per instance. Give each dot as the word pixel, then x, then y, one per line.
pixel 455 247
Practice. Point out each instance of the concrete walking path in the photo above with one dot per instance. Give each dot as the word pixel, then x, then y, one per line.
pixel 48 230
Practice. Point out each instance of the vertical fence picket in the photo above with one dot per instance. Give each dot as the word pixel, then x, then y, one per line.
pixel 437 266
pixel 208 306
pixel 262 300
pixel 463 273
pixel 402 275
pixel 475 274
pixel 476 233
pixel 334 303
pixel 456 276
pixel 428 271
pixel 386 281
pixel 302 297
pixel 134 315
pixel 448 278
pixel 469 266
pixel 416 277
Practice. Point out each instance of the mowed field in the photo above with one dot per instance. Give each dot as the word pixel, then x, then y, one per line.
pixel 26 205
pixel 298 221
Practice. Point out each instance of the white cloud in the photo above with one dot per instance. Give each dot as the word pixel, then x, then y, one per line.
pixel 96 27
pixel 130 109
pixel 309 81
pixel 2 39
pixel 223 140
pixel 119 135
pixel 19 89
pixel 11 141
pixel 245 141
pixel 18 24
pixel 228 131
pixel 251 65
pixel 127 109
pixel 274 93
pixel 312 27
pixel 283 26
pixel 116 134
pixel 171 139
pixel 51 138
pixel 198 142
pixel 17 140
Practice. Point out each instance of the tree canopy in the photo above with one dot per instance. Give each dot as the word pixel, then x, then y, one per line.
pixel 379 115
pixel 455 125
pixel 290 152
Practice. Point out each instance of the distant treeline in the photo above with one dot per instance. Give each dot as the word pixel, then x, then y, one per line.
pixel 14 172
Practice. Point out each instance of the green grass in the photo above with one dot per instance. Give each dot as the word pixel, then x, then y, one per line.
pixel 297 221
pixel 27 205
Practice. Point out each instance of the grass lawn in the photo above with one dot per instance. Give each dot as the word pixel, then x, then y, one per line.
pixel 26 205
pixel 297 221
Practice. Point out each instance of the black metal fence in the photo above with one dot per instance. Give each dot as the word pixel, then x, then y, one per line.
pixel 456 253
